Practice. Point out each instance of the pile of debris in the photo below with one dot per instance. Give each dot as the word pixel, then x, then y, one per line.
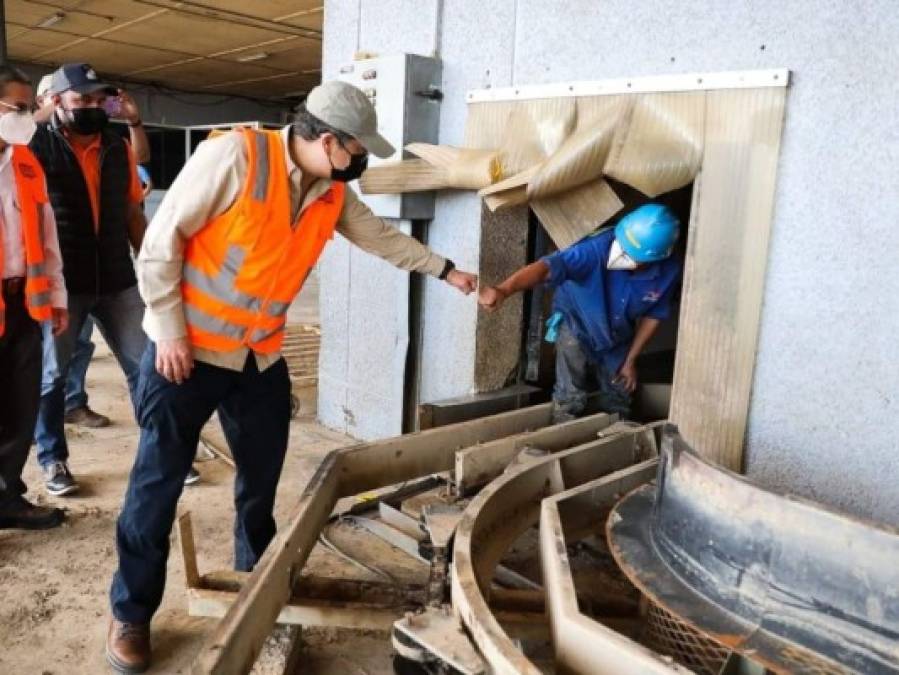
pixel 592 546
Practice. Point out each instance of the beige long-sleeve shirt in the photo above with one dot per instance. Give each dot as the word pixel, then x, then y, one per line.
pixel 13 243
pixel 207 186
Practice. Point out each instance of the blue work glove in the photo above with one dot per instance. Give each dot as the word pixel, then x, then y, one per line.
pixel 552 327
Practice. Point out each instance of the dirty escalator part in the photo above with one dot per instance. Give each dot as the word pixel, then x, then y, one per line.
pixel 665 634
pixel 263 597
pixel 796 586
pixel 510 505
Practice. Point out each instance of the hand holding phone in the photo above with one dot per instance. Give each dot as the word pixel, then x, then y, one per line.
pixel 113 106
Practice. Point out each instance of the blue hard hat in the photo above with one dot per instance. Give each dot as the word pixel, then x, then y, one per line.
pixel 648 234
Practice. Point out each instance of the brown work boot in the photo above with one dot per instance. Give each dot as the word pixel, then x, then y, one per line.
pixel 128 646
pixel 21 514
pixel 85 417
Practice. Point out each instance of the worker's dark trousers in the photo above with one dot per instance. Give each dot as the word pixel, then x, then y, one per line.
pixel 20 392
pixel 254 410
pixel 577 375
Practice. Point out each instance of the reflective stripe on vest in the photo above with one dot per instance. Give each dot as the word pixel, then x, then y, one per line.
pixel 32 195
pixel 213 324
pixel 260 187
pixel 222 286
pixel 243 268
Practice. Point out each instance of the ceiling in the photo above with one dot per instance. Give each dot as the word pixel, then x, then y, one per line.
pixel 268 49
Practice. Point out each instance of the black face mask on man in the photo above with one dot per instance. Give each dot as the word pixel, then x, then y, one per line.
pixel 85 121
pixel 357 166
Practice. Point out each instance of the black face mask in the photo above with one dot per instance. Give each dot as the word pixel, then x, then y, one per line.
pixel 86 121
pixel 357 166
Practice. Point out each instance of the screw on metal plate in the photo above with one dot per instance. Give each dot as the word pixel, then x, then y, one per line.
pixel 432 93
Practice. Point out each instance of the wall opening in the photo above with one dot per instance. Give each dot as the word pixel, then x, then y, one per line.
pixel 655 366
pixel 571 141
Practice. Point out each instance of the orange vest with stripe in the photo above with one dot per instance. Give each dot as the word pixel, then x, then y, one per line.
pixel 32 193
pixel 244 267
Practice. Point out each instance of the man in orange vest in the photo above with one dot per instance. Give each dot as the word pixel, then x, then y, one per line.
pixel 33 291
pixel 228 250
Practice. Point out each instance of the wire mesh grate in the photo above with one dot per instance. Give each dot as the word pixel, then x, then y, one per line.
pixel 669 636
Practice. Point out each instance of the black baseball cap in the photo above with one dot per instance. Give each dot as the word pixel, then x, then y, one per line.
pixel 81 78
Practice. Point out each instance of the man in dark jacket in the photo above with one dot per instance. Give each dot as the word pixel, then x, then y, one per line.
pixel 96 198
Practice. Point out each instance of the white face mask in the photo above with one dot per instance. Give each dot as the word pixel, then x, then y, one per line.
pixel 618 259
pixel 17 128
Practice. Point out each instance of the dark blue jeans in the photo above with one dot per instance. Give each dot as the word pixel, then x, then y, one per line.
pixel 254 410
pixel 75 390
pixel 576 375
pixel 118 316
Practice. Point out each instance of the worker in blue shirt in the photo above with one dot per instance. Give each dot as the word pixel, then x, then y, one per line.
pixel 613 289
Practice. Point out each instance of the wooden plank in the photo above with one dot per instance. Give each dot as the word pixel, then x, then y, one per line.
pixel 204 602
pixel 391 535
pixel 464 408
pixel 188 550
pixel 219 451
pixel 402 522
pixel 725 267
pixel 332 589
pixel 233 646
pixel 402 458
pixel 480 464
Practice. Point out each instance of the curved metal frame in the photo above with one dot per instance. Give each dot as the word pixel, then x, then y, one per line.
pixel 234 644
pixel 500 513
pixel 565 518
pixel 786 581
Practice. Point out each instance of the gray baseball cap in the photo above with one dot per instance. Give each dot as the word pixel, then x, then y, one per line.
pixel 346 108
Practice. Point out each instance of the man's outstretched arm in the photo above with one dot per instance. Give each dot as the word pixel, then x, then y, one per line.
pixel 491 298
pixel 370 233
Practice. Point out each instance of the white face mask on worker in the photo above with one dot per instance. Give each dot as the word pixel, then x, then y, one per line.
pixel 618 259
pixel 17 128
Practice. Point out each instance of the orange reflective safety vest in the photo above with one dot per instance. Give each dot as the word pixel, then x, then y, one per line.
pixel 244 267
pixel 32 193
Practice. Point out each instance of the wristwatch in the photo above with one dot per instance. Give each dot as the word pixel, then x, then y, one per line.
pixel 448 267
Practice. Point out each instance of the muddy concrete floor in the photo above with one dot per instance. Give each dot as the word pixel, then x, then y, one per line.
pixel 54 584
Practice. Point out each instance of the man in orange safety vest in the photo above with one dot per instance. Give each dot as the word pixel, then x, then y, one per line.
pixel 33 291
pixel 228 250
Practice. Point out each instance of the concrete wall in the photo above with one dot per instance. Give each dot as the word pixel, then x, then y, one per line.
pixel 824 416
pixel 364 302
